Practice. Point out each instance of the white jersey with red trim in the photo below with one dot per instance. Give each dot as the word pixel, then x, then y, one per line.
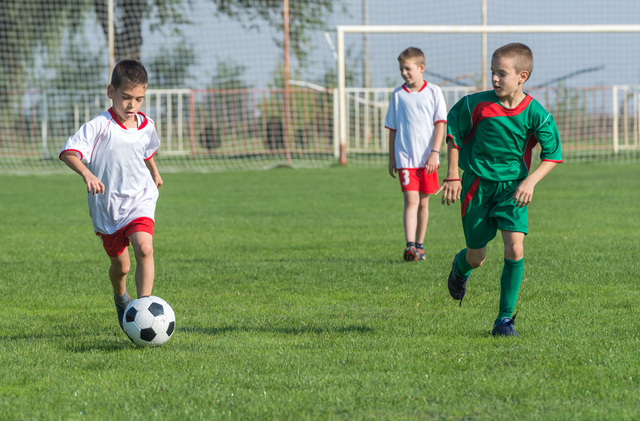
pixel 413 115
pixel 116 154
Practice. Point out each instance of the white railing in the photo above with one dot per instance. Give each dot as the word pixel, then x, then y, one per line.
pixel 626 117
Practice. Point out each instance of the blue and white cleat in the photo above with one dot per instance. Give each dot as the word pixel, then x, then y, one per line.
pixel 505 328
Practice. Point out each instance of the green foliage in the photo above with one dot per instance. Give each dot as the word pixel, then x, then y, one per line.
pixel 304 16
pixel 293 302
pixel 24 29
pixel 170 67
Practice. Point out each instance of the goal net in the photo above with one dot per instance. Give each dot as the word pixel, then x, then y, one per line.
pixel 233 85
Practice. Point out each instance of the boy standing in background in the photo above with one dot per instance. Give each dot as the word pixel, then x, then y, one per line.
pixel 416 121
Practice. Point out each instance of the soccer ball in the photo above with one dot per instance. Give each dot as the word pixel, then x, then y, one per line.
pixel 149 321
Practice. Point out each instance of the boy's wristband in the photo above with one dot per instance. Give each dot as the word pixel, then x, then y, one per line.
pixel 438 152
pixel 452 179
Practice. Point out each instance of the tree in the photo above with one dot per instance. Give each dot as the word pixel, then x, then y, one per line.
pixel 25 27
pixel 304 15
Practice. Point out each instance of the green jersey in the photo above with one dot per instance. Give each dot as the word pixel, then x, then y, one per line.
pixel 495 142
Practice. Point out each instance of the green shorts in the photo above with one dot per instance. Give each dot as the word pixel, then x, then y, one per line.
pixel 487 206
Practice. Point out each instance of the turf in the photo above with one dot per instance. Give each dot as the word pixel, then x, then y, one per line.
pixel 293 302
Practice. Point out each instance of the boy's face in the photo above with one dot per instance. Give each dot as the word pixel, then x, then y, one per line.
pixel 127 100
pixel 411 72
pixel 506 80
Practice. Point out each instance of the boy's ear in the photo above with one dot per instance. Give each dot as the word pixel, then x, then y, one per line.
pixel 422 67
pixel 524 76
pixel 110 91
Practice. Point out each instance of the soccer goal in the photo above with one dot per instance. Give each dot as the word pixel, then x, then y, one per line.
pixel 577 74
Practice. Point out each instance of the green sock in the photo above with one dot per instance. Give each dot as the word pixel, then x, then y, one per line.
pixel 462 268
pixel 509 286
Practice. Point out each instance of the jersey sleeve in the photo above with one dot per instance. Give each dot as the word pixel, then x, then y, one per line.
pixel 459 122
pixel 154 144
pixel 548 137
pixel 82 142
pixel 440 109
pixel 390 119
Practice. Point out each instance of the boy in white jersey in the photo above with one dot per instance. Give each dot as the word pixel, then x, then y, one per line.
pixel 416 120
pixel 114 155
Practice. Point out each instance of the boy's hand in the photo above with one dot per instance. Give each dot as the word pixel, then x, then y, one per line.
pixel 432 163
pixel 524 193
pixel 452 191
pixel 157 179
pixel 93 183
pixel 392 168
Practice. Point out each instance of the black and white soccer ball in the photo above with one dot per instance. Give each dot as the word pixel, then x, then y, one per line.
pixel 149 321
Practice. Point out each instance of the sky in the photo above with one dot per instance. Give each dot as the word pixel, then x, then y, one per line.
pixel 611 58
pixel 596 59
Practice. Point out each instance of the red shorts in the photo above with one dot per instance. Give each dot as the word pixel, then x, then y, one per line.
pixel 115 244
pixel 417 179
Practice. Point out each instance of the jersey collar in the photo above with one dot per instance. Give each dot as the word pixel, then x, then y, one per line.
pixel 145 120
pixel 406 88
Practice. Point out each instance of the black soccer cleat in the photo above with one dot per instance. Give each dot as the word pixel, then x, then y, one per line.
pixel 457 284
pixel 410 254
pixel 505 327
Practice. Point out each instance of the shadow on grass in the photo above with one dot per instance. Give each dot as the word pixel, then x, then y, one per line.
pixel 304 330
pixel 74 341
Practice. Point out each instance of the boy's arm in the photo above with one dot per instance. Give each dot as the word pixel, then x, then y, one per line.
pixel 155 174
pixel 432 161
pixel 524 192
pixel 93 183
pixel 392 153
pixel 451 186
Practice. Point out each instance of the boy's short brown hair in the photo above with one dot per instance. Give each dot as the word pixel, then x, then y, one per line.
pixel 412 53
pixel 521 55
pixel 129 71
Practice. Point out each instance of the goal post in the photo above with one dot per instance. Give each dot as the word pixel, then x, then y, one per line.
pixel 341 30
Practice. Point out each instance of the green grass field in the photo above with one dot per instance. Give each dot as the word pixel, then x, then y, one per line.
pixel 293 302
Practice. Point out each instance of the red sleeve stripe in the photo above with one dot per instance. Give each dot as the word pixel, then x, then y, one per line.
pixel 440 121
pixel 154 152
pixel 453 140
pixel 70 150
pixel 553 160
pixel 387 127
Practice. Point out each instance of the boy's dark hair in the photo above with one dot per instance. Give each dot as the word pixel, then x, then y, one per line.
pixel 129 71
pixel 521 55
pixel 412 53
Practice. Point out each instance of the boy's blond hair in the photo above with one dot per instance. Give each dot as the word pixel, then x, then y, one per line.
pixel 520 54
pixel 412 53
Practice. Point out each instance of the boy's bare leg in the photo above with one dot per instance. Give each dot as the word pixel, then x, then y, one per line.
pixel 513 245
pixel 475 257
pixel 118 271
pixel 423 218
pixel 142 243
pixel 411 204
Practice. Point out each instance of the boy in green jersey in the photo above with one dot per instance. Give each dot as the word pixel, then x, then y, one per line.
pixel 491 135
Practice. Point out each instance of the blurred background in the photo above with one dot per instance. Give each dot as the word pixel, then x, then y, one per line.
pixel 252 84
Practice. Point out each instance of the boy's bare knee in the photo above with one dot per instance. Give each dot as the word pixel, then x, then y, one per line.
pixel 476 258
pixel 144 250
pixel 120 269
pixel 514 252
pixel 475 262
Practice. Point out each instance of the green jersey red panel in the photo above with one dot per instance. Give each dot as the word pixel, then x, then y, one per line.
pixel 496 142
